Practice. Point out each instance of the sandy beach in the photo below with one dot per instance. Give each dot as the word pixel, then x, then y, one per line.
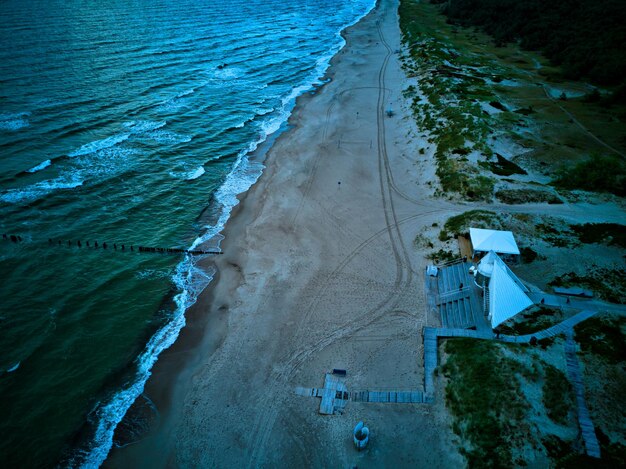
pixel 319 272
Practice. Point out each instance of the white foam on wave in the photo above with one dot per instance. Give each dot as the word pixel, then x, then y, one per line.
pixel 186 93
pixel 164 136
pixel 190 281
pixel 96 145
pixel 39 167
pixel 144 126
pixel 41 189
pixel 262 112
pixel 105 162
pixel 14 367
pixel 196 173
pixel 14 121
pixel 228 73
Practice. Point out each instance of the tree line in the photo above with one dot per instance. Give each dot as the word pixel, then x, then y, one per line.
pixel 586 38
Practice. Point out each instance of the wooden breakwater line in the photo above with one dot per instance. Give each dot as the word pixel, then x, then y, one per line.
pixel 17 239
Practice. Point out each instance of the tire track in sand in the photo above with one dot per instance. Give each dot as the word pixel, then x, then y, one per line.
pixel 404 276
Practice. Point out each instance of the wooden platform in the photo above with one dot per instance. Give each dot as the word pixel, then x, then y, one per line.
pixel 393 397
pixel 457 300
pixel 592 447
pixel 333 393
pixel 465 247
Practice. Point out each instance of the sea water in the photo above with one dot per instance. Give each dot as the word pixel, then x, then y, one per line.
pixel 126 122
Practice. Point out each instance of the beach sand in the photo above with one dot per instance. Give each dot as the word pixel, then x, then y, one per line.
pixel 319 271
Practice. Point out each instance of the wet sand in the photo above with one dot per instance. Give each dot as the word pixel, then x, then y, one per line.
pixel 319 272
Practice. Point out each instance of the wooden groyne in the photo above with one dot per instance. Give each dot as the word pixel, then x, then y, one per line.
pixel 115 247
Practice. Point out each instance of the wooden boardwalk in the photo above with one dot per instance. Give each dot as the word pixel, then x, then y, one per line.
pixel 557 329
pixel 386 397
pixel 584 420
pixel 432 334
pixel 390 397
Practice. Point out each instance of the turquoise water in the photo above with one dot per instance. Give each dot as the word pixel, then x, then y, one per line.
pixel 127 123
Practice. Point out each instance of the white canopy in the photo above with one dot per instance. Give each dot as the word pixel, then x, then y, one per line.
pixel 485 266
pixel 493 240
pixel 507 295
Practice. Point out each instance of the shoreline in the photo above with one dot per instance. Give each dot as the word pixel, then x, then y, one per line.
pixel 215 318
pixel 196 322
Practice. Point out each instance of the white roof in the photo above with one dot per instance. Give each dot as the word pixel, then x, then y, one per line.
pixel 507 295
pixel 493 240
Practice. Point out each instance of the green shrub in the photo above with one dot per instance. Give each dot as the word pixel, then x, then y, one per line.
pixel 460 223
pixel 603 337
pixel 557 394
pixel 526 196
pixel 608 284
pixel 484 395
pixel 528 255
pixel 598 174
pixel 608 233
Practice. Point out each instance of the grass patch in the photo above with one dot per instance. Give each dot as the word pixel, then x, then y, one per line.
pixel 556 448
pixel 480 218
pixel 604 337
pixel 422 241
pixel 528 255
pixel 557 394
pixel 553 236
pixel 452 116
pixel 605 233
pixel 606 283
pixel 613 454
pixel 485 397
pixel 537 319
pixel 599 174
pixel 527 196
pixel 442 256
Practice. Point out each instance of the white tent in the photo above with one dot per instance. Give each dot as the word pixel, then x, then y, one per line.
pixel 493 240
pixel 507 294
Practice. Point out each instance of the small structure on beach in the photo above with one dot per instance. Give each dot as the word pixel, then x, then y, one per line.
pixel 504 293
pixel 500 242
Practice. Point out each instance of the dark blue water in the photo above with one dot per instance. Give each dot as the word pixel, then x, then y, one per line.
pixel 128 123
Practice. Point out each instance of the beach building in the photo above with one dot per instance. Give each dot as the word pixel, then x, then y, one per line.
pixel 501 242
pixel 504 294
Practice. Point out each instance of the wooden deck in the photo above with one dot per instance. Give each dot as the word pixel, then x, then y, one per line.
pixel 458 298
pixel 333 394
pixel 465 246
pixel 584 419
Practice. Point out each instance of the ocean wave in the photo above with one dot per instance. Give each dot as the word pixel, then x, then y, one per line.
pixel 186 93
pixel 152 273
pixel 39 167
pixel 101 164
pixel 96 145
pixel 195 174
pixel 190 281
pixel 40 189
pixel 14 121
pixel 228 73
pixel 144 126
pixel 164 136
